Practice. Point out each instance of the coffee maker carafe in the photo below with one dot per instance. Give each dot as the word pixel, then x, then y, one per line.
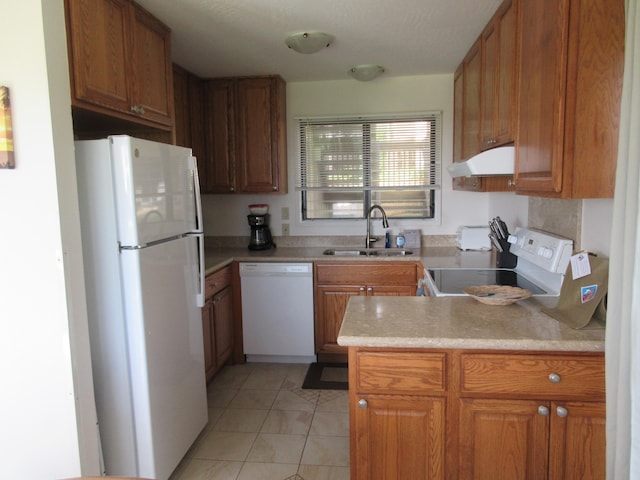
pixel 260 234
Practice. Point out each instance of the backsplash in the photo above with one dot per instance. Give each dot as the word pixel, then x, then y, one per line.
pixel 323 241
pixel 562 217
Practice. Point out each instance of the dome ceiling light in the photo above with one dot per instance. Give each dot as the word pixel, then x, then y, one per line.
pixel 308 42
pixel 365 73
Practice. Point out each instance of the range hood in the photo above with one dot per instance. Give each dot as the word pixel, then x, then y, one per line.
pixel 497 161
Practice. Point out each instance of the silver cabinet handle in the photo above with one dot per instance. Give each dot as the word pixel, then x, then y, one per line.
pixel 362 403
pixel 369 289
pixel 562 412
pixel 542 410
pixel 554 378
pixel 362 289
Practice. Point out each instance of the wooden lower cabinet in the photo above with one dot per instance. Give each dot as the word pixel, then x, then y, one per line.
pixel 397 409
pixel 403 437
pixel 336 282
pixel 431 414
pixel 527 439
pixel 503 439
pixel 217 321
pixel 577 441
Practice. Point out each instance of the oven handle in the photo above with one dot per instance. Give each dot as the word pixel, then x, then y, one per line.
pixel 428 282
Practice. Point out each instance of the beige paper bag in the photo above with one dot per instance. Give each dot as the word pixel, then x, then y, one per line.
pixel 583 299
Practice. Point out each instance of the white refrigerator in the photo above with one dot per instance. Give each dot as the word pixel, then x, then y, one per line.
pixel 144 273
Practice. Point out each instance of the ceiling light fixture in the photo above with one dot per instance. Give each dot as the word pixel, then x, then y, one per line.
pixel 364 73
pixel 308 42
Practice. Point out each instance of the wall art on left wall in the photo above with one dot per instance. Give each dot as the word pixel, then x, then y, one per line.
pixel 7 156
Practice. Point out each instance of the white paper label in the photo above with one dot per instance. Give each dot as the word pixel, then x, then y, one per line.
pixel 580 266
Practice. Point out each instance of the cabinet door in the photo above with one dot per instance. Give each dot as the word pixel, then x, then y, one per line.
pixel 182 106
pixel 196 109
pixel 100 58
pixel 542 77
pixel 507 76
pixel 490 59
pixel 330 305
pixel 503 440
pixel 260 134
pixel 399 437
pixel 220 136
pixel 223 325
pixel 458 91
pixel 209 340
pixel 499 69
pixel 152 95
pixel 471 102
pixel 577 449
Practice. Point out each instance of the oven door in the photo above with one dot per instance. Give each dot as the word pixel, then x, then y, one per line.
pixel 443 282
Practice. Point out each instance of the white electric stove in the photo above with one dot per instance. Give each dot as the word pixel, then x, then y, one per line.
pixel 542 260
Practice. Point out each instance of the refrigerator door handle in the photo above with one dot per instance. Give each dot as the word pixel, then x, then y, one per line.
pixel 200 294
pixel 196 189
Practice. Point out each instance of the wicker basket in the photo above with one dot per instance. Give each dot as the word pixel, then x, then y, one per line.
pixel 497 294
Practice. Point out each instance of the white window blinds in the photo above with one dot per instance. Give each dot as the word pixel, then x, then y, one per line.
pixel 348 164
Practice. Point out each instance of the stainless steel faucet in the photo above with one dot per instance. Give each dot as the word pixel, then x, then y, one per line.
pixel 385 224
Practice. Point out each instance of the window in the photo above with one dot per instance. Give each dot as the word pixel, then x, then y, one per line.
pixel 346 165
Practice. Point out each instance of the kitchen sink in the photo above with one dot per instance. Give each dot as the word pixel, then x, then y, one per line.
pixel 371 252
pixel 392 252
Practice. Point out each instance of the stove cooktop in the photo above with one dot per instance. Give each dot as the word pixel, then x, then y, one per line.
pixel 453 281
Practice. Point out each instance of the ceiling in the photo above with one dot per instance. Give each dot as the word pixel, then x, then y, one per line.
pixel 217 38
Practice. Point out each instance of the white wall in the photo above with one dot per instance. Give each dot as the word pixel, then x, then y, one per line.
pixel 597 222
pixel 226 214
pixel 39 252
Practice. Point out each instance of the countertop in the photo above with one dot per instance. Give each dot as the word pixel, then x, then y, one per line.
pixel 460 322
pixel 432 322
pixel 218 257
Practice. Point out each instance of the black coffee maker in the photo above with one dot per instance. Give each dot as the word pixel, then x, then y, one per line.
pixel 260 234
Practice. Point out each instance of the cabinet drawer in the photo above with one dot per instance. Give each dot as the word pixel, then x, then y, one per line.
pixel 405 373
pixel 539 376
pixel 374 273
pixel 216 281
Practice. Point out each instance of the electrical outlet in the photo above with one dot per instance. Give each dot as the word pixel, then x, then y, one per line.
pixel 285 229
pixel 284 213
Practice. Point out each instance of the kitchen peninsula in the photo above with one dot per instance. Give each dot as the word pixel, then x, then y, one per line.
pixel 446 387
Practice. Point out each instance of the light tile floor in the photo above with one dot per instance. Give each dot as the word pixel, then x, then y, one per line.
pixel 264 426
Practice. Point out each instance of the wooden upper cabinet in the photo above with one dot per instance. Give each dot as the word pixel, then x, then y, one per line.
pixel 471 101
pixel 458 88
pixel 120 61
pixel 499 74
pixel 152 85
pixel 245 122
pixel 97 32
pixel 261 135
pixel 189 116
pixel 219 101
pixel 570 84
pixel 182 106
pixel 466 115
pixel 484 98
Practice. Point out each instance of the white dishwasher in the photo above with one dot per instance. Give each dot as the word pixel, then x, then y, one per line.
pixel 277 312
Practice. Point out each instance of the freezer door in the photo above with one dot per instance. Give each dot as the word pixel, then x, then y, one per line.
pixel 165 349
pixel 156 191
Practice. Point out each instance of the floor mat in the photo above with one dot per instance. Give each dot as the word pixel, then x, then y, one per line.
pixel 327 376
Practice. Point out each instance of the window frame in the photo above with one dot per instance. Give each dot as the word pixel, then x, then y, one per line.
pixel 432 190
